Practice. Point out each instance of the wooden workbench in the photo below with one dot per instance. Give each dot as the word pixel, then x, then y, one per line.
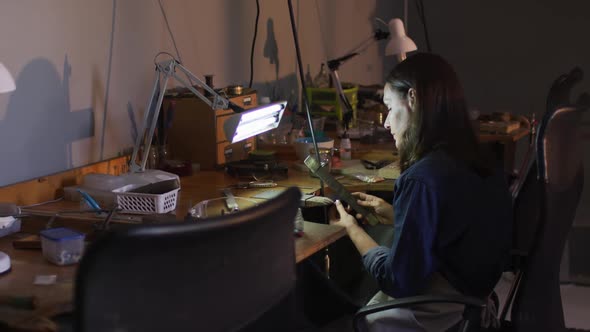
pixel 57 297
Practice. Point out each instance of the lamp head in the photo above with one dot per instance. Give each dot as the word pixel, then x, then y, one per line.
pixel 6 81
pixel 253 121
pixel 399 43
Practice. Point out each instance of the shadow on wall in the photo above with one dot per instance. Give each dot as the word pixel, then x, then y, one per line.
pixel 39 127
pixel 239 31
pixel 108 85
pixel 271 49
pixel 286 88
pixel 134 131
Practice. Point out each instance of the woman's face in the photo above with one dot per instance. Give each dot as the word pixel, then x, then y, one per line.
pixel 398 118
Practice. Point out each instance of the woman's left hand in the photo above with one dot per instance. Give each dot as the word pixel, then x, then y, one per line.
pixel 346 220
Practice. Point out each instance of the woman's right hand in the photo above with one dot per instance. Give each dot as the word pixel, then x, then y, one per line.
pixel 381 208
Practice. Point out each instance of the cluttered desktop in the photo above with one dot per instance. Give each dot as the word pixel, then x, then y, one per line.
pixel 231 165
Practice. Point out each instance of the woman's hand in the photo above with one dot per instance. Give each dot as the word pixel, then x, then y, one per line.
pixel 346 220
pixel 381 208
pixel 362 241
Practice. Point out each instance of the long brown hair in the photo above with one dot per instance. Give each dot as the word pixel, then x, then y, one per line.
pixel 439 118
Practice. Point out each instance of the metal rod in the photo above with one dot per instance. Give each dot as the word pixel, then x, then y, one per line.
pixel 218 101
pixel 406 15
pixel 334 65
pixel 134 167
pixel 362 46
pixel 304 87
pixel 510 298
pixel 154 121
pixel 343 99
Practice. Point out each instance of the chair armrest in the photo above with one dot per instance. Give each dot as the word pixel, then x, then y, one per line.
pixel 469 301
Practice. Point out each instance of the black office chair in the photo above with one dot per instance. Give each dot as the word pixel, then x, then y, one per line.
pixel 545 207
pixel 537 302
pixel 229 273
pixel 561 89
pixel 524 190
pixel 471 314
pixel 559 95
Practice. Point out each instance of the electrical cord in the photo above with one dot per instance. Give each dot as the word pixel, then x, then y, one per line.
pixel 422 16
pixel 42 203
pixel 381 21
pixel 322 34
pixel 169 30
pixel 168 54
pixel 171 37
pixel 253 44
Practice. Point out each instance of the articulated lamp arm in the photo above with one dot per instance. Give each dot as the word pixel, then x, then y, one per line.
pixel 170 67
pixel 164 71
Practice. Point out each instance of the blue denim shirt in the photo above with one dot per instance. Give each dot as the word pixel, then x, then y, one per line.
pixel 447 219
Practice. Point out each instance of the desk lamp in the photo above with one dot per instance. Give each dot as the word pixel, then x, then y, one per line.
pixel 334 65
pixel 239 126
pixel 399 43
pixel 6 81
pixel 6 85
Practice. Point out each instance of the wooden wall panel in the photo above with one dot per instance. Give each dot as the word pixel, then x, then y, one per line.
pixel 50 187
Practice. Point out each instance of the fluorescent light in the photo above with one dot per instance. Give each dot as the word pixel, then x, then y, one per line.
pixel 254 121
pixel 6 81
pixel 264 112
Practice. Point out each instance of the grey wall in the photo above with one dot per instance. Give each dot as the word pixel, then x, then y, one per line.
pixel 77 67
pixel 507 53
pixel 84 69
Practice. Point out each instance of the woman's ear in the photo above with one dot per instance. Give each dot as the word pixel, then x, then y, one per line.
pixel 412 98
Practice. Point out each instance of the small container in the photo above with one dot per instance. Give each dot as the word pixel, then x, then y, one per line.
pixel 62 246
pixel 325 158
pixel 303 145
pixel 299 222
pixel 345 147
pixel 158 197
pixel 218 207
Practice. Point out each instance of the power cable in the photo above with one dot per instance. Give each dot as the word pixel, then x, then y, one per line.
pixel 171 36
pixel 253 44
pixel 422 16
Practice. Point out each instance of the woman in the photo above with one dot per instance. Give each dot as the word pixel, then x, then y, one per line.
pixel 451 211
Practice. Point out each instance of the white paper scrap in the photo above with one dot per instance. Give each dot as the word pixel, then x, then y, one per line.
pixel 48 279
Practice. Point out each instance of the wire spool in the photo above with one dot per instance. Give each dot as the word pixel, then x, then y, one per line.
pixel 235 90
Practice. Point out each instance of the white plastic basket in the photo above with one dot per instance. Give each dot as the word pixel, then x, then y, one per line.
pixel 147 203
pixel 143 203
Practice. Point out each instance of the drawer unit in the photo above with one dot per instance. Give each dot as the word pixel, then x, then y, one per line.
pixel 196 131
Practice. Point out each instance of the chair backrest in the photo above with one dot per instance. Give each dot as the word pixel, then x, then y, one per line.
pixel 559 95
pixel 525 198
pixel 561 89
pixel 525 189
pixel 560 178
pixel 220 274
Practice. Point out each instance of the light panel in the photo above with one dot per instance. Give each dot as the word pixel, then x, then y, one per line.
pixel 254 121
